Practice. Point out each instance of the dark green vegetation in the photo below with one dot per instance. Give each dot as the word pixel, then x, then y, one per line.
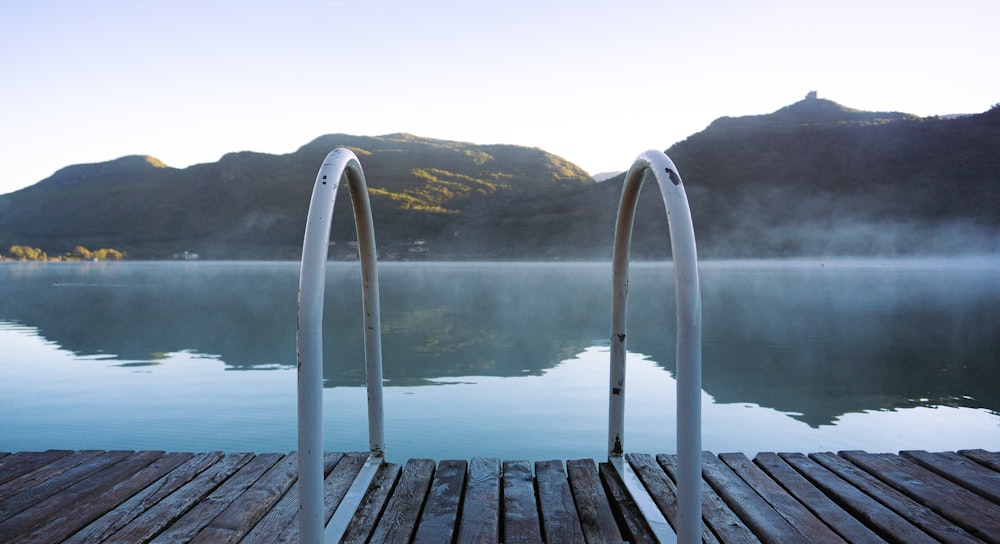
pixel 813 178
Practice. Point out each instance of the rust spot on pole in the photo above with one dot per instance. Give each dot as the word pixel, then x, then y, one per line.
pixel 617 450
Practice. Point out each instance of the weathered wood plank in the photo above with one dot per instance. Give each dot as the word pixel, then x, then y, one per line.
pixel 890 525
pixel 921 516
pixel 560 522
pixel 439 520
pixel 961 470
pixel 370 510
pixel 207 508
pixel 162 513
pixel 340 479
pixel 661 489
pixel 480 521
pixel 726 525
pixel 844 524
pixel 22 500
pixel 633 525
pixel 239 517
pixel 790 509
pixel 399 519
pixel 520 507
pixel 989 459
pixel 280 524
pixel 14 465
pixel 77 516
pixel 78 495
pixel 44 472
pixel 963 507
pixel 123 514
pixel 765 522
pixel 596 518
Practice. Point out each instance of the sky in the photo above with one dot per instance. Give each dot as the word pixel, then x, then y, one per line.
pixel 594 81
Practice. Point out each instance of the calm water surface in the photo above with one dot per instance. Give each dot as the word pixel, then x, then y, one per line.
pixel 507 360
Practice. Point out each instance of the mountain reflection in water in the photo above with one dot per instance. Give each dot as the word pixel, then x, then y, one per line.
pixel 812 339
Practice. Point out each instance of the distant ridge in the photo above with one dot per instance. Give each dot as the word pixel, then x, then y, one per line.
pixel 811 110
pixel 604 176
pixel 813 178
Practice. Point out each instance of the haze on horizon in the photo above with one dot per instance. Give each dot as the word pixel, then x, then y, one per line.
pixel 594 81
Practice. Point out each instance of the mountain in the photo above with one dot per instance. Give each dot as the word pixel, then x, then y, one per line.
pixel 253 205
pixel 817 178
pixel 813 178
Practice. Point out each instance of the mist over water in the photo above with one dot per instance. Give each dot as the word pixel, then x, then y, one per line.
pixel 502 359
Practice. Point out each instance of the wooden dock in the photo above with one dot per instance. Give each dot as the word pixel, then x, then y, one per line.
pixel 130 497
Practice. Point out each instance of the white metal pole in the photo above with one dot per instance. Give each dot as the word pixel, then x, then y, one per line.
pixel 688 292
pixel 338 164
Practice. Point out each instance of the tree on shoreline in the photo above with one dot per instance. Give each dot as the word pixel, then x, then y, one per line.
pixel 79 253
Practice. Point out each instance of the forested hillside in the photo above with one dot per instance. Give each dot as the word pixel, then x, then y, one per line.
pixel 813 178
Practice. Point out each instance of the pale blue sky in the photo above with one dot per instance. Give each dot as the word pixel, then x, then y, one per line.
pixel 594 81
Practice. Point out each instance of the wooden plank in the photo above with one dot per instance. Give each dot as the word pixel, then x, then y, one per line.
pixel 596 518
pixel 763 520
pixel 339 481
pixel 44 472
pixel 22 500
pixel 79 515
pixel 374 503
pixel 239 517
pixel 79 494
pixel 790 509
pixel 890 525
pixel 921 516
pixel 440 517
pixel 399 520
pixel 961 470
pixel 162 513
pixel 348 506
pixel 844 524
pixel 560 522
pixel 123 514
pixel 963 507
pixel 208 507
pixel 661 488
pixel 721 519
pixel 521 524
pixel 988 459
pixel 634 527
pixel 481 504
pixel 14 465
pixel 280 522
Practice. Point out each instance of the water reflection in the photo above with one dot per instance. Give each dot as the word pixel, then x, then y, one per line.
pixel 812 339
pixel 824 341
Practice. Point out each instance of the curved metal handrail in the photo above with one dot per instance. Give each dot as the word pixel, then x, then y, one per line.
pixel 339 163
pixel 685 258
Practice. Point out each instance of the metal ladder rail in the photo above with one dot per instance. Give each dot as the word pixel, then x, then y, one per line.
pixel 688 293
pixel 339 164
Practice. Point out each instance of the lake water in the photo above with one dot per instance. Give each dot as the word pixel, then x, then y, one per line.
pixel 505 360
